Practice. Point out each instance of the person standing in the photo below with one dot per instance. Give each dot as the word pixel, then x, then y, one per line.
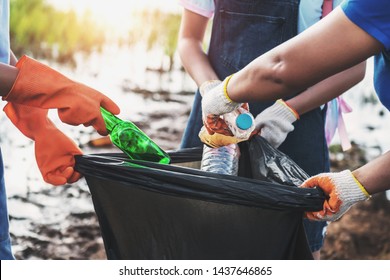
pixel 352 33
pixel 242 31
pixel 31 89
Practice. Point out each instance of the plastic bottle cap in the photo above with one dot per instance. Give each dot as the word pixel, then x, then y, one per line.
pixel 244 121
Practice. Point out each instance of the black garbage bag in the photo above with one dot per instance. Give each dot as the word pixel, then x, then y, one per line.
pixel 153 211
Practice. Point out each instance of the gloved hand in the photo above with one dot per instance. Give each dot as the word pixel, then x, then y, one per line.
pixel 38 85
pixel 217 140
pixel 275 122
pixel 54 151
pixel 342 189
pixel 218 134
pixel 214 124
pixel 215 100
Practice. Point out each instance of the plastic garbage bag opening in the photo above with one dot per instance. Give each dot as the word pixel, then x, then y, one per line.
pixel 154 211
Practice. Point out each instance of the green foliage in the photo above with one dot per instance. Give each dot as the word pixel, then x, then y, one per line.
pixel 38 29
pixel 157 29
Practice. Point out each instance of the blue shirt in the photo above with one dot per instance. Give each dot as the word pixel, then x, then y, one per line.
pixel 4 32
pixel 374 17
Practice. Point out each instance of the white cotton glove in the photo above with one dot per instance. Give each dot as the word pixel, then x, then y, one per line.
pixel 215 100
pixel 207 86
pixel 275 122
pixel 342 190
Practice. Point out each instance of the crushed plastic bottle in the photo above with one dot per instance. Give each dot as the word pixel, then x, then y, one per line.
pixel 225 159
pixel 240 122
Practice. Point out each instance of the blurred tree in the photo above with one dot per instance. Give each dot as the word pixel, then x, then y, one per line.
pixel 157 29
pixel 38 29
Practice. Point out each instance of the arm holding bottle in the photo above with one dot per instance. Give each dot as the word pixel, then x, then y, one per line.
pixel 275 122
pixel 330 46
pixel 196 63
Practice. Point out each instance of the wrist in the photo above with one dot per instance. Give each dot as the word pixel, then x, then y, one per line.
pixel 225 88
pixel 289 107
pixel 281 110
pixel 352 190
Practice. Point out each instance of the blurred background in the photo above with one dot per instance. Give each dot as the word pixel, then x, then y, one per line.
pixel 127 50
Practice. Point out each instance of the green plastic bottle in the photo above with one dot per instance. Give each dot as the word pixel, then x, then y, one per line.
pixel 133 141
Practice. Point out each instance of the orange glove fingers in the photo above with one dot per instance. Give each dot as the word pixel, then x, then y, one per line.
pixel 54 153
pixel 214 124
pixel 110 105
pixel 58 177
pixel 217 140
pixel 74 178
pixel 38 85
pixel 89 113
pixel 332 203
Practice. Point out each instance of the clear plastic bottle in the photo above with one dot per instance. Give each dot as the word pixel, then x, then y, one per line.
pixel 224 160
pixel 240 122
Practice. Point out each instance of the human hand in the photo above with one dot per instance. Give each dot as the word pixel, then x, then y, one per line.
pixel 38 85
pixel 275 122
pixel 215 100
pixel 217 140
pixel 54 151
pixel 342 190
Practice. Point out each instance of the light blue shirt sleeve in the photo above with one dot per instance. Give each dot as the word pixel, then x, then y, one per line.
pixel 202 7
pixel 310 11
pixel 4 32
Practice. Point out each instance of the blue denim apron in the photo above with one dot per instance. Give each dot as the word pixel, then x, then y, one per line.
pixel 5 242
pixel 243 30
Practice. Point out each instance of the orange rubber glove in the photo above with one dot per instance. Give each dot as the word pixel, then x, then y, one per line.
pixel 38 85
pixel 342 190
pixel 216 124
pixel 217 140
pixel 54 151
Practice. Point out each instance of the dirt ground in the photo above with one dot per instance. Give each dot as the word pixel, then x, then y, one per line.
pixel 363 233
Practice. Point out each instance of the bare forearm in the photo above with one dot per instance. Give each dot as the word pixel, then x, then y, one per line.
pixel 191 36
pixel 327 89
pixel 332 45
pixel 8 76
pixel 195 61
pixel 375 175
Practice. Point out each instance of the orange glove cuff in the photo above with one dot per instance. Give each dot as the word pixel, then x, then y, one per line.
pixel 54 151
pixel 293 111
